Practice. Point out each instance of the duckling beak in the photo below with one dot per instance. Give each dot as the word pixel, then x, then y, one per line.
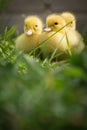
pixel 47 29
pixel 29 32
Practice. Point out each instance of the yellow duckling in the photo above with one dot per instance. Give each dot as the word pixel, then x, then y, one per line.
pixel 54 23
pixel 32 31
pixel 65 40
pixel 75 38
pixel 70 19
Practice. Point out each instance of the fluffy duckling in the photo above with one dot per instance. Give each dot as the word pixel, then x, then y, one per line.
pixel 32 31
pixel 70 19
pixel 74 36
pixel 54 23
pixel 75 41
pixel 63 41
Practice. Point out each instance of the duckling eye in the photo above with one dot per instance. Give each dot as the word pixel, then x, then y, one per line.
pixel 36 25
pixel 56 23
pixel 71 22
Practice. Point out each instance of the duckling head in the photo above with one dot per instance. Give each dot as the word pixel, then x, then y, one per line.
pixel 54 22
pixel 69 18
pixel 32 25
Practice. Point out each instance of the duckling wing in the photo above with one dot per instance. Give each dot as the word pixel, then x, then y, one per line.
pixel 80 46
pixel 75 41
pixel 50 41
pixel 20 42
pixel 27 43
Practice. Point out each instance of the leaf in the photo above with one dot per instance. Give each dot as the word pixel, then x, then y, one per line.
pixel 68 45
pixel 9 33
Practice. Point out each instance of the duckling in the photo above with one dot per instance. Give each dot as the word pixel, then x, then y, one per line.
pixel 63 41
pixel 74 36
pixel 52 34
pixel 32 31
pixel 70 19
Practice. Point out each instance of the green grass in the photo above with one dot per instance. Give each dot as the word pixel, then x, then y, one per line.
pixel 41 94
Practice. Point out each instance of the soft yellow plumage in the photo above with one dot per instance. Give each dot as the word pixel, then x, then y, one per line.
pixel 70 19
pixel 64 40
pixel 54 23
pixel 75 38
pixel 32 31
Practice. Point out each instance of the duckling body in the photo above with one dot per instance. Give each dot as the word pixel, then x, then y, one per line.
pixel 75 38
pixel 52 43
pixel 54 23
pixel 32 31
pixel 59 42
pixel 62 40
pixel 27 43
pixel 75 41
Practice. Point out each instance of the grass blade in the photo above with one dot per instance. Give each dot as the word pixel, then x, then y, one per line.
pixel 68 45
